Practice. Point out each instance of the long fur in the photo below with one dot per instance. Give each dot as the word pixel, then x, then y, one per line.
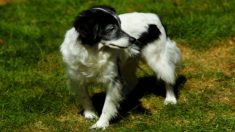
pixel 102 62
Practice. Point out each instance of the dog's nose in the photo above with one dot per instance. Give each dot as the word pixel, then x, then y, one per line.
pixel 132 40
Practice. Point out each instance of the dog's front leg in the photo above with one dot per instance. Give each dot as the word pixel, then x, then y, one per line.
pixel 83 98
pixel 111 104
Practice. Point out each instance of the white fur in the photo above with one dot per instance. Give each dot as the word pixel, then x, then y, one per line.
pixel 98 64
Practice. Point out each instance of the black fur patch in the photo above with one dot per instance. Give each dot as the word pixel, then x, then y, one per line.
pixel 150 35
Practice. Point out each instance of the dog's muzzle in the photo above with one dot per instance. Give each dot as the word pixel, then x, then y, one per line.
pixel 132 41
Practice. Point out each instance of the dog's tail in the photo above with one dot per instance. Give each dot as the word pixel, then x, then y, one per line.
pixel 174 52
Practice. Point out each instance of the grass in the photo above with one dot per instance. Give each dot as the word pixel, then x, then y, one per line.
pixel 33 93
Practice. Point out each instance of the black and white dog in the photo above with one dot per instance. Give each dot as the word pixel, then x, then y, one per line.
pixel 104 48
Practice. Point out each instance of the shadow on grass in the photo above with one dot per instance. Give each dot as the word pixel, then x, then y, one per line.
pixel 145 86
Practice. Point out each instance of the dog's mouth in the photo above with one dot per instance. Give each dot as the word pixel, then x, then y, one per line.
pixel 115 46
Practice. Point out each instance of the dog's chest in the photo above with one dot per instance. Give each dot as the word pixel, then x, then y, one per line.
pixel 95 67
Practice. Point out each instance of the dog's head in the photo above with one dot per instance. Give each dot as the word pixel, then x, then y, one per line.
pixel 101 24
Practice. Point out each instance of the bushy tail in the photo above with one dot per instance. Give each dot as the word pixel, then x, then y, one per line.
pixel 174 52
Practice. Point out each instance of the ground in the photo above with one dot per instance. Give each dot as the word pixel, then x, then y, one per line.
pixel 33 91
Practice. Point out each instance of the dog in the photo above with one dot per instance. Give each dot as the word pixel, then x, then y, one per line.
pixel 103 47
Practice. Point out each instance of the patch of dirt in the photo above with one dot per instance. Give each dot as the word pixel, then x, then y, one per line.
pixel 1 41
pixel 4 2
pixel 213 69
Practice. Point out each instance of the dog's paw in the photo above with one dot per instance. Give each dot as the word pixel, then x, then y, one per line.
pixel 171 100
pixel 100 125
pixel 91 115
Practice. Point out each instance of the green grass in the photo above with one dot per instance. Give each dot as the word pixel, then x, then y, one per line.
pixel 33 93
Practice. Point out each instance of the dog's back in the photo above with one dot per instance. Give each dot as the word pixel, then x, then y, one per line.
pixel 136 23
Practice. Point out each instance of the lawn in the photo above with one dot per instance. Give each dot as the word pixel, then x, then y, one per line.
pixel 33 91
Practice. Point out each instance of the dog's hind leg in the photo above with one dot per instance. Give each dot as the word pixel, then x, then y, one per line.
pixel 166 72
pixel 170 95
pixel 83 99
pixel 164 61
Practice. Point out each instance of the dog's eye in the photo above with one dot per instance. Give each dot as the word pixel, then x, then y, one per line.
pixel 110 28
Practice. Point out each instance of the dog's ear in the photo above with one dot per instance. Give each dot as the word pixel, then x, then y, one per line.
pixel 87 28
